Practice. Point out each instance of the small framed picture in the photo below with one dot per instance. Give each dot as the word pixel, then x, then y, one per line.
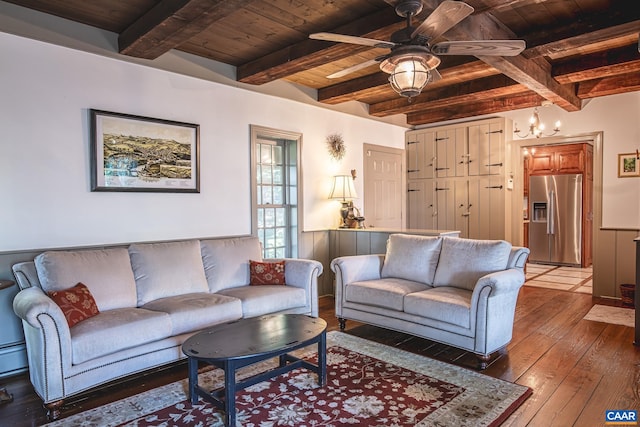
pixel 628 165
pixel 134 153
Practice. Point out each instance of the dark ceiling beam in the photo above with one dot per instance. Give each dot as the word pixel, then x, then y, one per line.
pixel 563 42
pixel 464 110
pixel 468 92
pixel 172 22
pixel 609 86
pixel 598 65
pixel 313 53
pixel 533 73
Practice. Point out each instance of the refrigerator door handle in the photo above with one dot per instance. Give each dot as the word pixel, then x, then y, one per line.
pixel 551 214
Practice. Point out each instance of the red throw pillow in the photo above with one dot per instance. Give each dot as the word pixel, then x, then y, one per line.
pixel 266 273
pixel 76 303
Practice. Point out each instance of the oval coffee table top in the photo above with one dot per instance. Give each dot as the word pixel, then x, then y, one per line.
pixel 257 336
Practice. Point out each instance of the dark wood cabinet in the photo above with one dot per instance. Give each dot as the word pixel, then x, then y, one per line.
pixel 558 159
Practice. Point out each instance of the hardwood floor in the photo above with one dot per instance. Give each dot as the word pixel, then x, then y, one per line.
pixel 576 368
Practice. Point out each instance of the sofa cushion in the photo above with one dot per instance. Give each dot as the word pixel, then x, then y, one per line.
pixel 445 304
pixel 107 274
pixel 265 299
pixel 115 330
pixel 226 261
pixel 411 257
pixel 266 273
pixel 388 293
pixel 77 303
pixel 464 261
pixel 163 270
pixel 192 312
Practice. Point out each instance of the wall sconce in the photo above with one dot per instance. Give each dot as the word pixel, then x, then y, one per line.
pixel 536 127
pixel 344 191
pixel 526 151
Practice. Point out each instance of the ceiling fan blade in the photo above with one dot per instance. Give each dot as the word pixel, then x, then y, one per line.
pixel 331 37
pixel 435 75
pixel 445 16
pixel 480 47
pixel 352 69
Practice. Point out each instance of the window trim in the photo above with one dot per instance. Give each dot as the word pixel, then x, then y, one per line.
pixel 271 133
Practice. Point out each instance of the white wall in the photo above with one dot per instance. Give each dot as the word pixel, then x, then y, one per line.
pixel 46 91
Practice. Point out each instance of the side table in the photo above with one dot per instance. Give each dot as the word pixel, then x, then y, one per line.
pixel 5 397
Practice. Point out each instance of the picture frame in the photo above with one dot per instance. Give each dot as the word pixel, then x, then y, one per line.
pixel 628 165
pixel 143 154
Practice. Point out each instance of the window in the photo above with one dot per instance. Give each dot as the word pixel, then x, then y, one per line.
pixel 275 184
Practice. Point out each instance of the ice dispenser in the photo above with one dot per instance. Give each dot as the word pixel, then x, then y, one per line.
pixel 539 211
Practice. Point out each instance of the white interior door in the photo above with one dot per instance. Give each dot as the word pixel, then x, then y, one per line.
pixel 384 183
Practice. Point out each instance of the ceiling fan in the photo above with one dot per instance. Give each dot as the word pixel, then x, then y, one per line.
pixel 413 58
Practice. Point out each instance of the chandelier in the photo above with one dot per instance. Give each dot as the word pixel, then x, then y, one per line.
pixel 410 69
pixel 536 127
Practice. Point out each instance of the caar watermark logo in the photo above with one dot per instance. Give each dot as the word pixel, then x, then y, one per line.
pixel 621 417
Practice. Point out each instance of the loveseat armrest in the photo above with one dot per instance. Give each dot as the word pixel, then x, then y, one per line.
pixel 304 273
pixel 500 282
pixel 518 257
pixel 349 269
pixel 48 341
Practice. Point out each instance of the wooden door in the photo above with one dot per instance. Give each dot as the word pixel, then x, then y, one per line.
pixel 383 187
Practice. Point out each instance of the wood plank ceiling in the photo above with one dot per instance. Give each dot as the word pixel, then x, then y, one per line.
pixel 576 49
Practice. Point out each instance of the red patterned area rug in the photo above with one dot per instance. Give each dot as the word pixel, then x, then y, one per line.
pixel 368 384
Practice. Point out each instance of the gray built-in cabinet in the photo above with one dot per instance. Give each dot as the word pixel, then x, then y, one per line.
pixel 456 178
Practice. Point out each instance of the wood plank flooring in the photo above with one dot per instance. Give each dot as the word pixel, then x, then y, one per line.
pixel 576 368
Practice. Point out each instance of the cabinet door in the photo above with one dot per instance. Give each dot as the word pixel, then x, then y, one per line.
pixel 445 205
pixel 569 159
pixel 541 162
pixel 486 149
pixel 461 202
pixel 451 150
pixel 487 210
pixel 420 155
pixel 420 201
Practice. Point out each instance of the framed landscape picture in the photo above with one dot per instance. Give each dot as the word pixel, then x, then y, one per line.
pixel 134 153
pixel 628 165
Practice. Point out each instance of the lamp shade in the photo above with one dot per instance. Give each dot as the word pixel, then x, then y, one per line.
pixel 343 188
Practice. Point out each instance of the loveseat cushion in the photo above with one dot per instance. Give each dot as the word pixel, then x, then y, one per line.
pixel 464 261
pixel 445 304
pixel 115 330
pixel 107 274
pixel 192 312
pixel 411 257
pixel 226 261
pixel 163 270
pixel 265 299
pixel 388 293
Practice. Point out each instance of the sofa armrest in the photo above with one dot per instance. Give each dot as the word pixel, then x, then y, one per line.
pixel 518 257
pixel 303 273
pixel 500 282
pixel 48 341
pixel 349 269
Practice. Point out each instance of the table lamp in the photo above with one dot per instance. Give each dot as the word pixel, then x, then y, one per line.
pixel 344 191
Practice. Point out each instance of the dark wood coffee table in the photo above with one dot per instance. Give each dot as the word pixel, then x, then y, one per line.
pixel 236 344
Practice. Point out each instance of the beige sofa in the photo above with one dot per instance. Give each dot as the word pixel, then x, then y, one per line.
pixel 151 298
pixel 460 292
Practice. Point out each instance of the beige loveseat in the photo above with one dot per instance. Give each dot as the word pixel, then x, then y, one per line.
pixel 460 292
pixel 151 298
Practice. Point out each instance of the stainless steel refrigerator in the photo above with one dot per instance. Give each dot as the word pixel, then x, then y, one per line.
pixel 555 226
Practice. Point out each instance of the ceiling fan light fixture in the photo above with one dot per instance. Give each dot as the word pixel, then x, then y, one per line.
pixel 409 77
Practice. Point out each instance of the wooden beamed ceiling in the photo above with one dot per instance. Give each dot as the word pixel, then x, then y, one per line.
pixel 576 49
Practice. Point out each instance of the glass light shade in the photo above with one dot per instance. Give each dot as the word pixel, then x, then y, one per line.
pixel 343 188
pixel 409 77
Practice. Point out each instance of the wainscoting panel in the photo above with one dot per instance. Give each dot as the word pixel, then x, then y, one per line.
pixel 613 261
